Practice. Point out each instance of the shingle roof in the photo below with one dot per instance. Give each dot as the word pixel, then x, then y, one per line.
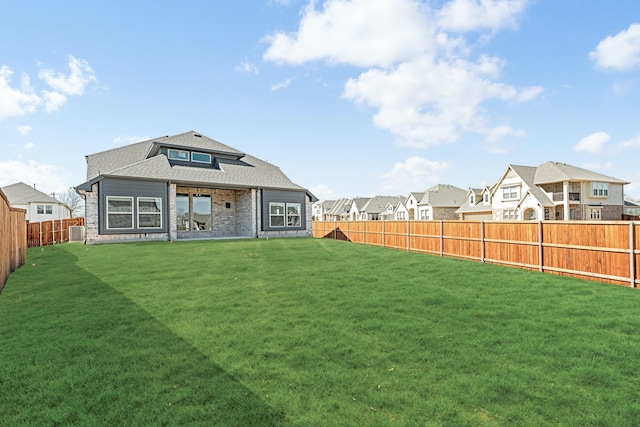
pixel 141 160
pixel 378 204
pixel 21 193
pixel 528 174
pixel 550 172
pixel 444 195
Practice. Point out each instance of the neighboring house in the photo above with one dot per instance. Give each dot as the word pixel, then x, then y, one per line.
pixel 632 207
pixel 411 205
pixel 477 207
pixel 379 208
pixel 39 206
pixel 556 191
pixel 355 211
pixel 441 202
pixel 401 211
pixel 339 211
pixel 189 186
pixel 321 210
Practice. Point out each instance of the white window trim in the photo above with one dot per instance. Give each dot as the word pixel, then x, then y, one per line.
pixel 600 187
pixel 155 199
pixel 284 215
pixel 200 161
pixel 512 190
pixel 171 150
pixel 299 215
pixel 118 213
pixel 593 210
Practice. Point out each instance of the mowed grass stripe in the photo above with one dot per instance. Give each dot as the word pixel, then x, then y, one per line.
pixel 312 332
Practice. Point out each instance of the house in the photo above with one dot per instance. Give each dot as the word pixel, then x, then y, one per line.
pixel 189 186
pixel 39 206
pixel 556 191
pixel 632 208
pixel 477 207
pixel 321 209
pixel 355 209
pixel 379 208
pixel 340 210
pixel 411 205
pixel 441 202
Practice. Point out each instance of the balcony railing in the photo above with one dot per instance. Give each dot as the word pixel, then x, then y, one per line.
pixel 559 197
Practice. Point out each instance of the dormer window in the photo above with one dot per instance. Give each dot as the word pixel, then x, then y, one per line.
pixel 200 157
pixel 472 200
pixel 486 197
pixel 178 155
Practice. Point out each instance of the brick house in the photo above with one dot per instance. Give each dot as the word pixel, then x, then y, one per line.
pixel 189 186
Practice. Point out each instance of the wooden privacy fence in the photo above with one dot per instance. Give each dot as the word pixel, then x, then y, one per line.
pixel 13 239
pixel 603 251
pixel 50 232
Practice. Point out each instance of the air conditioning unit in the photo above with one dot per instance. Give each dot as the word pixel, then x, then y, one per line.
pixel 76 233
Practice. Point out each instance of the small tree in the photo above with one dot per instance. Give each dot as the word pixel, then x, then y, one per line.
pixel 74 201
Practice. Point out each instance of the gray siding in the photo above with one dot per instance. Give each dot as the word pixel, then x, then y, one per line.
pixel 283 196
pixel 135 189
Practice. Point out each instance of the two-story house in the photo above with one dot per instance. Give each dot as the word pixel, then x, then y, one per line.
pixel 553 191
pixel 39 206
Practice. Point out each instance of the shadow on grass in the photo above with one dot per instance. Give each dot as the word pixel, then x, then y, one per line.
pixel 81 353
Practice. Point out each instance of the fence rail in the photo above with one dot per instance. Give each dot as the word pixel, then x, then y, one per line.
pixel 50 232
pixel 604 251
pixel 13 239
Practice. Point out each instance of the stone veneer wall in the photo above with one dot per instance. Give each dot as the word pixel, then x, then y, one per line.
pixel 235 221
pixel 445 213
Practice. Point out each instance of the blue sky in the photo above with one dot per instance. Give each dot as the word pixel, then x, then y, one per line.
pixel 348 98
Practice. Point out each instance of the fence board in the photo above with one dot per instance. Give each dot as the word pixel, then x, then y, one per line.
pixel 605 251
pixel 13 244
pixel 52 232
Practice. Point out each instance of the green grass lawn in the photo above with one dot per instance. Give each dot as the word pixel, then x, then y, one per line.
pixel 309 332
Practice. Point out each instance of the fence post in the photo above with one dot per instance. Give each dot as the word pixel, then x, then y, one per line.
pixel 441 238
pixel 540 252
pixel 335 229
pixel 408 235
pixel 632 257
pixel 482 240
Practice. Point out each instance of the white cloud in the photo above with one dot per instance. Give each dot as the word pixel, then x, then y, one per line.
pixel 620 52
pixel 126 140
pixel 16 102
pixel 29 146
pixel 598 166
pixel 420 80
pixel 363 33
pixel 281 85
pixel 24 100
pixel 470 15
pixel 414 174
pixel 322 192
pixel 592 143
pixel 53 100
pixel 247 68
pixel 48 178
pixel 633 143
pixel 23 130
pixel 80 75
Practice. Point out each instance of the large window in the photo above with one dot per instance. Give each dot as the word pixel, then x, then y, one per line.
pixel 276 214
pixel 509 214
pixel 40 209
pixel 595 213
pixel 201 212
pixel 600 189
pixel 149 212
pixel 119 213
pixel 510 193
pixel 293 215
pixel 182 212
